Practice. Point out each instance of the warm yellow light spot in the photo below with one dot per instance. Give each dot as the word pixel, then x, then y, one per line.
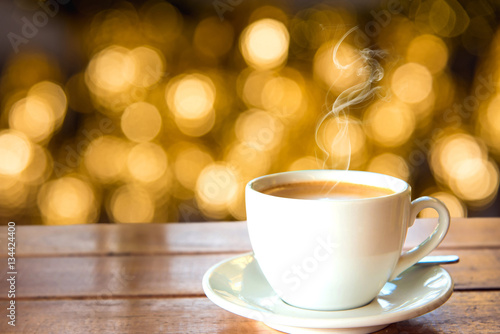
pixel 38 169
pixel 475 181
pixel 191 99
pixel 112 69
pixel 390 124
pixel 68 200
pixel 259 129
pixel 34 117
pixel 493 116
pixel 216 187
pixel 147 162
pixel 339 79
pixel 191 96
pixel 189 162
pixel 305 163
pixel 452 150
pixel 428 50
pixel 282 96
pixel 237 205
pixel 149 66
pixel 52 95
pixel 411 82
pixel 489 124
pixel 455 206
pixel 196 127
pixel 249 160
pixel 264 44
pixel 447 17
pixel 131 204
pixel 141 122
pixel 424 110
pixel 13 194
pixel 16 152
pixel 253 87
pixel 106 158
pixel 390 164
pixel 460 147
pixel 344 140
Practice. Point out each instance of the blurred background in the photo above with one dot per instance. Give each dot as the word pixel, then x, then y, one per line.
pixel 128 111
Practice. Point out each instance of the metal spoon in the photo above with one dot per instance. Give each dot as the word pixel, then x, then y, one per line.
pixel 439 259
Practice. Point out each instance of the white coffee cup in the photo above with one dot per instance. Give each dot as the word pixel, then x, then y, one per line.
pixel 335 254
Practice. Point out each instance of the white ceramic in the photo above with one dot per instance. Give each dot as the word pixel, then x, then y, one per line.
pixel 238 285
pixel 333 254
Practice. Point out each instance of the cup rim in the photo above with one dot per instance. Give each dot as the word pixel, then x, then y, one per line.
pixel 400 186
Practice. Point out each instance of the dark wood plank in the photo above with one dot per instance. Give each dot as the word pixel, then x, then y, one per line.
pixel 109 239
pixel 181 275
pixel 105 277
pixel 464 312
pixel 224 237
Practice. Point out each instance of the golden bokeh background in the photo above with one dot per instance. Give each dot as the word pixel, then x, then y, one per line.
pixel 142 112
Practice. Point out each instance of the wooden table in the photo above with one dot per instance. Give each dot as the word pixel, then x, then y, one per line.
pixel 142 278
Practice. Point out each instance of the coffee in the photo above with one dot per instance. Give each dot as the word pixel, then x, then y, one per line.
pixel 326 190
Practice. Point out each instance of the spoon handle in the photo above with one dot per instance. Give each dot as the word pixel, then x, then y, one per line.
pixel 439 259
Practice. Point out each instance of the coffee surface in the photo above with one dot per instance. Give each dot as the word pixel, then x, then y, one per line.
pixel 326 190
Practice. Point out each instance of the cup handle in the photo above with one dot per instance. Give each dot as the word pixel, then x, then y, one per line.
pixel 409 258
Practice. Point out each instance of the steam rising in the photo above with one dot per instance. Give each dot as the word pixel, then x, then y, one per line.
pixel 352 96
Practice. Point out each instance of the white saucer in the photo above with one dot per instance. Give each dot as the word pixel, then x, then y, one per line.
pixel 238 285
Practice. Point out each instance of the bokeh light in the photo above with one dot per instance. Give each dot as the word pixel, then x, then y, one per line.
pixel 338 79
pixel 451 150
pixel 461 162
pixel 54 97
pixel 16 152
pixel 106 158
pixel 489 124
pixel 191 99
pixel 112 70
pixel 147 162
pixel 13 194
pixel 141 122
pixel 259 129
pixel 411 82
pixel 154 112
pixel 131 204
pixel 428 50
pixel 249 160
pixel 284 97
pixel 68 200
pixel 344 140
pixel 149 66
pixel 264 44
pixel 39 168
pixel 304 163
pixel 33 117
pixel 455 206
pixel 190 160
pixel 389 124
pixel 475 181
pixel 390 164
pixel 216 188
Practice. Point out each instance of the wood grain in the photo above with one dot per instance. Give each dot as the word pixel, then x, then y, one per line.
pixel 181 275
pixel 464 312
pixel 147 279
pixel 111 239
pixel 194 238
